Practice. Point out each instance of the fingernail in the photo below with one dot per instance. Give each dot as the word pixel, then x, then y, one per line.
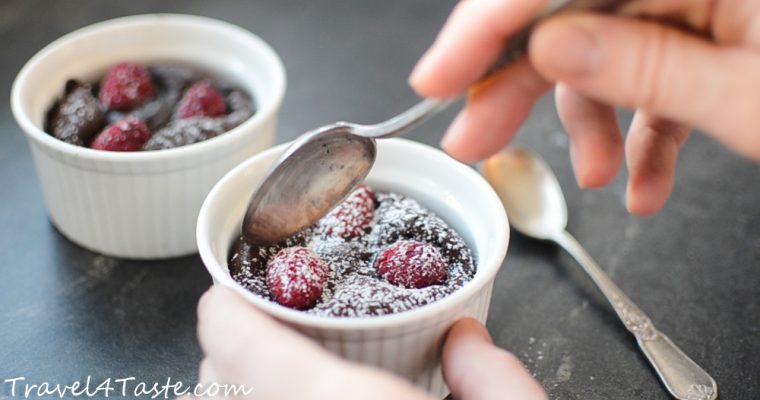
pixel 574 48
pixel 448 142
pixel 575 162
pixel 629 200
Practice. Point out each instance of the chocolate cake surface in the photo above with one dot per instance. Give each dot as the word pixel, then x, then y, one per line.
pixel 354 288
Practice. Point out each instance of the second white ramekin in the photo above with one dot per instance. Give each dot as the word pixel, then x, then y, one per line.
pixel 407 343
pixel 143 204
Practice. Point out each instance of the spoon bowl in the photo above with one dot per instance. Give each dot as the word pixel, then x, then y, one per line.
pixel 319 169
pixel 529 191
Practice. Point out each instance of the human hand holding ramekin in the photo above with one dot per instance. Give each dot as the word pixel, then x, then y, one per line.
pixel 406 343
pixel 143 204
pixel 243 346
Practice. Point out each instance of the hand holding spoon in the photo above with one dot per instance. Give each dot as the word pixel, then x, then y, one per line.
pixel 536 207
pixel 324 165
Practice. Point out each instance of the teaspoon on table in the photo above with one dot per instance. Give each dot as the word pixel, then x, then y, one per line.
pixel 320 168
pixel 536 207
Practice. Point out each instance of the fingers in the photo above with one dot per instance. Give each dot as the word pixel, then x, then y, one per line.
pixel 468 43
pixel 597 149
pixel 652 151
pixel 207 376
pixel 495 110
pixel 696 15
pixel 477 370
pixel 596 144
pixel 244 346
pixel 663 71
pixel 734 23
pixel 206 373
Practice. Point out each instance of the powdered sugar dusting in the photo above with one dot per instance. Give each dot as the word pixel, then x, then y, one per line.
pixel 353 287
pixel 151 95
pixel 296 277
pixel 125 86
pixel 411 264
pixel 350 218
pixel 77 117
pixel 181 132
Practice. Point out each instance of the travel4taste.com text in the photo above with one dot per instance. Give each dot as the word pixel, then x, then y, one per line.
pixel 130 387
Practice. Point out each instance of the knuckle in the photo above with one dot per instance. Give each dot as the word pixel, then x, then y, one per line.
pixel 654 69
pixel 672 132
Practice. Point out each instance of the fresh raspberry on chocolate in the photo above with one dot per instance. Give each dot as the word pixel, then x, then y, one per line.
pixel 128 134
pixel 296 277
pixel 202 99
pixel 352 217
pixel 126 86
pixel 411 264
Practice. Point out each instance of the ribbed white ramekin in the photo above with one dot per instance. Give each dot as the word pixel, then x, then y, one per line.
pixel 407 343
pixel 143 204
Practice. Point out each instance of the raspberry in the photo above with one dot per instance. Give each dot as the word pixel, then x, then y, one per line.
pixel 201 100
pixel 411 264
pixel 126 86
pixel 350 218
pixel 296 277
pixel 128 134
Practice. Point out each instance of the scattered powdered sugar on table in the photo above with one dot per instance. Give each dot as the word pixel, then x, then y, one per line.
pixel 353 288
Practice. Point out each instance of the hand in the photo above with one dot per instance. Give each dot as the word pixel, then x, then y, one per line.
pixel 706 73
pixel 245 347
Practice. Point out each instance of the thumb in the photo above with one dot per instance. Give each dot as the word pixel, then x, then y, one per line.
pixel 664 71
pixel 246 347
pixel 475 369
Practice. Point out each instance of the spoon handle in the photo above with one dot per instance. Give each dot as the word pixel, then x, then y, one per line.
pixel 514 49
pixel 683 378
pixel 402 122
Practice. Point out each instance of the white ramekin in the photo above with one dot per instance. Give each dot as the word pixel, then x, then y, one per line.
pixel 407 343
pixel 143 204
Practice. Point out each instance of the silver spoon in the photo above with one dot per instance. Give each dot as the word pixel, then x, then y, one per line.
pixel 536 207
pixel 324 165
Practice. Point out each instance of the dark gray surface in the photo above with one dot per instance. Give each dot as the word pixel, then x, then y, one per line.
pixel 66 313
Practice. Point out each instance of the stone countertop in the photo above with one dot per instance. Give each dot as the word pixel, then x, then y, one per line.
pixel 66 313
